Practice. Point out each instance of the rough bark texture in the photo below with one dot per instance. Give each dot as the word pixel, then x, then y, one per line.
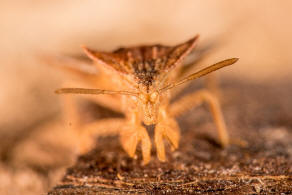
pixel 259 115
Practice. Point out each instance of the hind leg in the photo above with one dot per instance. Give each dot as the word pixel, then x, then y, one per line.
pixel 197 98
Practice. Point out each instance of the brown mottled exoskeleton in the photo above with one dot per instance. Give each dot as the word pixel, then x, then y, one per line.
pixel 138 82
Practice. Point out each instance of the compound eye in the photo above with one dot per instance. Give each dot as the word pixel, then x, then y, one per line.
pixel 153 96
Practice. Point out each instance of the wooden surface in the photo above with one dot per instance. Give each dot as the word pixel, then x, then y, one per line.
pixel 260 115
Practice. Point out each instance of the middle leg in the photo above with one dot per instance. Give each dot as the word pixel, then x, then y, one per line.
pixel 103 127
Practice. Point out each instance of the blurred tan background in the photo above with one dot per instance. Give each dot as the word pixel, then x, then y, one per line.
pixel 258 32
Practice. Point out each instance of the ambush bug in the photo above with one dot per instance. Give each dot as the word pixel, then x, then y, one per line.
pixel 139 82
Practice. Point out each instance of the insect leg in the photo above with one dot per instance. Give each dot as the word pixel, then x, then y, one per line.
pixel 101 127
pixel 131 134
pixel 197 98
pixel 167 128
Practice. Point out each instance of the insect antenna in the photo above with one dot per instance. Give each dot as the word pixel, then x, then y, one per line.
pixel 201 73
pixel 92 91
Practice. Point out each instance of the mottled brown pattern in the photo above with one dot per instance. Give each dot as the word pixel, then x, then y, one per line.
pixel 144 63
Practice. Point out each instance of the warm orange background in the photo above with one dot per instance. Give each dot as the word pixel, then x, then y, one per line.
pixel 258 32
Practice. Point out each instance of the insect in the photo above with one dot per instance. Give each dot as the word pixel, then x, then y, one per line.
pixel 139 82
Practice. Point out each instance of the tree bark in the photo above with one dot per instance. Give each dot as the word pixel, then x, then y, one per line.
pixel 259 159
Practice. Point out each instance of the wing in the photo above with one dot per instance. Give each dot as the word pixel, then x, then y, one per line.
pixel 78 66
pixel 196 56
pixel 74 64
